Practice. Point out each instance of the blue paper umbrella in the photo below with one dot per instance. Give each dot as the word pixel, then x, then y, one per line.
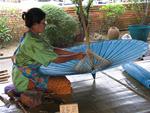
pixel 106 54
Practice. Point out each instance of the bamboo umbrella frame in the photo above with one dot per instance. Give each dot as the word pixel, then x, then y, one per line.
pixel 90 54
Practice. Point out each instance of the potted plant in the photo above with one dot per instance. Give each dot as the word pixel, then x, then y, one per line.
pixel 140 30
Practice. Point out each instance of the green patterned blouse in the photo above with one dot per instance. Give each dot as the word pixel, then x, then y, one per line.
pixel 32 50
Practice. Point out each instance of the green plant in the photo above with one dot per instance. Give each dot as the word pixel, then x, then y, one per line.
pixel 14 21
pixel 111 14
pixel 61 27
pixel 141 10
pixel 5 35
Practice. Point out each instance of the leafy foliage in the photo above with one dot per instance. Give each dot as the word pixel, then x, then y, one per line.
pixel 5 35
pixel 13 16
pixel 111 14
pixel 141 10
pixel 61 27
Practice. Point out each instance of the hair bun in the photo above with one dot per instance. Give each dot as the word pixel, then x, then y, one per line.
pixel 24 15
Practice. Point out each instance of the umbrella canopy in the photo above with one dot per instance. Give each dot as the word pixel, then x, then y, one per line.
pixel 111 52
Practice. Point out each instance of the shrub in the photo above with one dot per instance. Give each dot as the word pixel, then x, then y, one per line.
pixel 61 27
pixel 5 31
pixel 111 13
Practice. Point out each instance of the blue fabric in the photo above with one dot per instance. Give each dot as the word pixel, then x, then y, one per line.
pixel 116 51
pixel 139 73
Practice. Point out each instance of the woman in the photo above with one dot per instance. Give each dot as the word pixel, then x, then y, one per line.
pixel 34 52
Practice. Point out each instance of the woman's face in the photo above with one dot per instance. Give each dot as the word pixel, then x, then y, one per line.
pixel 39 27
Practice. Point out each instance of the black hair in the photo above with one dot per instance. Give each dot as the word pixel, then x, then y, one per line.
pixel 33 16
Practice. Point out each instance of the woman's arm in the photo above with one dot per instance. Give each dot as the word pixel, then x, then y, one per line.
pixel 61 51
pixel 65 58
